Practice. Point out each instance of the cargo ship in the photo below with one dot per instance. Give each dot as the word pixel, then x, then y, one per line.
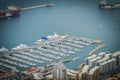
pixel 10 12
pixel 104 5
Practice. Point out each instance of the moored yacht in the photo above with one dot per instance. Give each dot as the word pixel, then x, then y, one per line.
pixel 21 46
pixel 54 36
pixel 3 49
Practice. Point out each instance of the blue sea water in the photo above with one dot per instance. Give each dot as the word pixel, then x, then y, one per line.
pixel 75 17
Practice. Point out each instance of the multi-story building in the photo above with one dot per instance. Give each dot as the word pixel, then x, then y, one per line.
pixel 103 63
pixel 95 65
pixel 85 72
pixel 89 58
pixel 59 71
pixel 116 55
pixel 71 75
pixel 107 66
pixel 94 73
pixel 119 61
pixel 106 61
pixel 93 61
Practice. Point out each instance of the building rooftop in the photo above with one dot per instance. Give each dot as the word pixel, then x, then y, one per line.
pixel 96 58
pixel 116 53
pixel 102 53
pixel 59 66
pixel 108 61
pixel 85 68
pixel 90 57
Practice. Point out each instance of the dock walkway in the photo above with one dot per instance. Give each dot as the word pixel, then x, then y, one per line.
pixel 39 6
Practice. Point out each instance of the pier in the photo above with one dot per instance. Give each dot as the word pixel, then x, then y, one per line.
pixel 63 61
pixel 97 48
pixel 34 7
pixel 71 59
pixel 98 41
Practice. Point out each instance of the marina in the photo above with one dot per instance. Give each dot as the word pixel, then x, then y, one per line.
pixel 83 21
pixel 47 50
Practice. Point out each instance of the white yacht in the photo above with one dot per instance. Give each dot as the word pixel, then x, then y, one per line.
pixel 21 46
pixel 3 49
pixel 54 36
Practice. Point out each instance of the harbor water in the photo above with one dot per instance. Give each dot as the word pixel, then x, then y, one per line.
pixel 74 17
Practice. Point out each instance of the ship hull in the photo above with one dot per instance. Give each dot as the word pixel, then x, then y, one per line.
pixel 9 14
pixel 12 16
pixel 110 6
